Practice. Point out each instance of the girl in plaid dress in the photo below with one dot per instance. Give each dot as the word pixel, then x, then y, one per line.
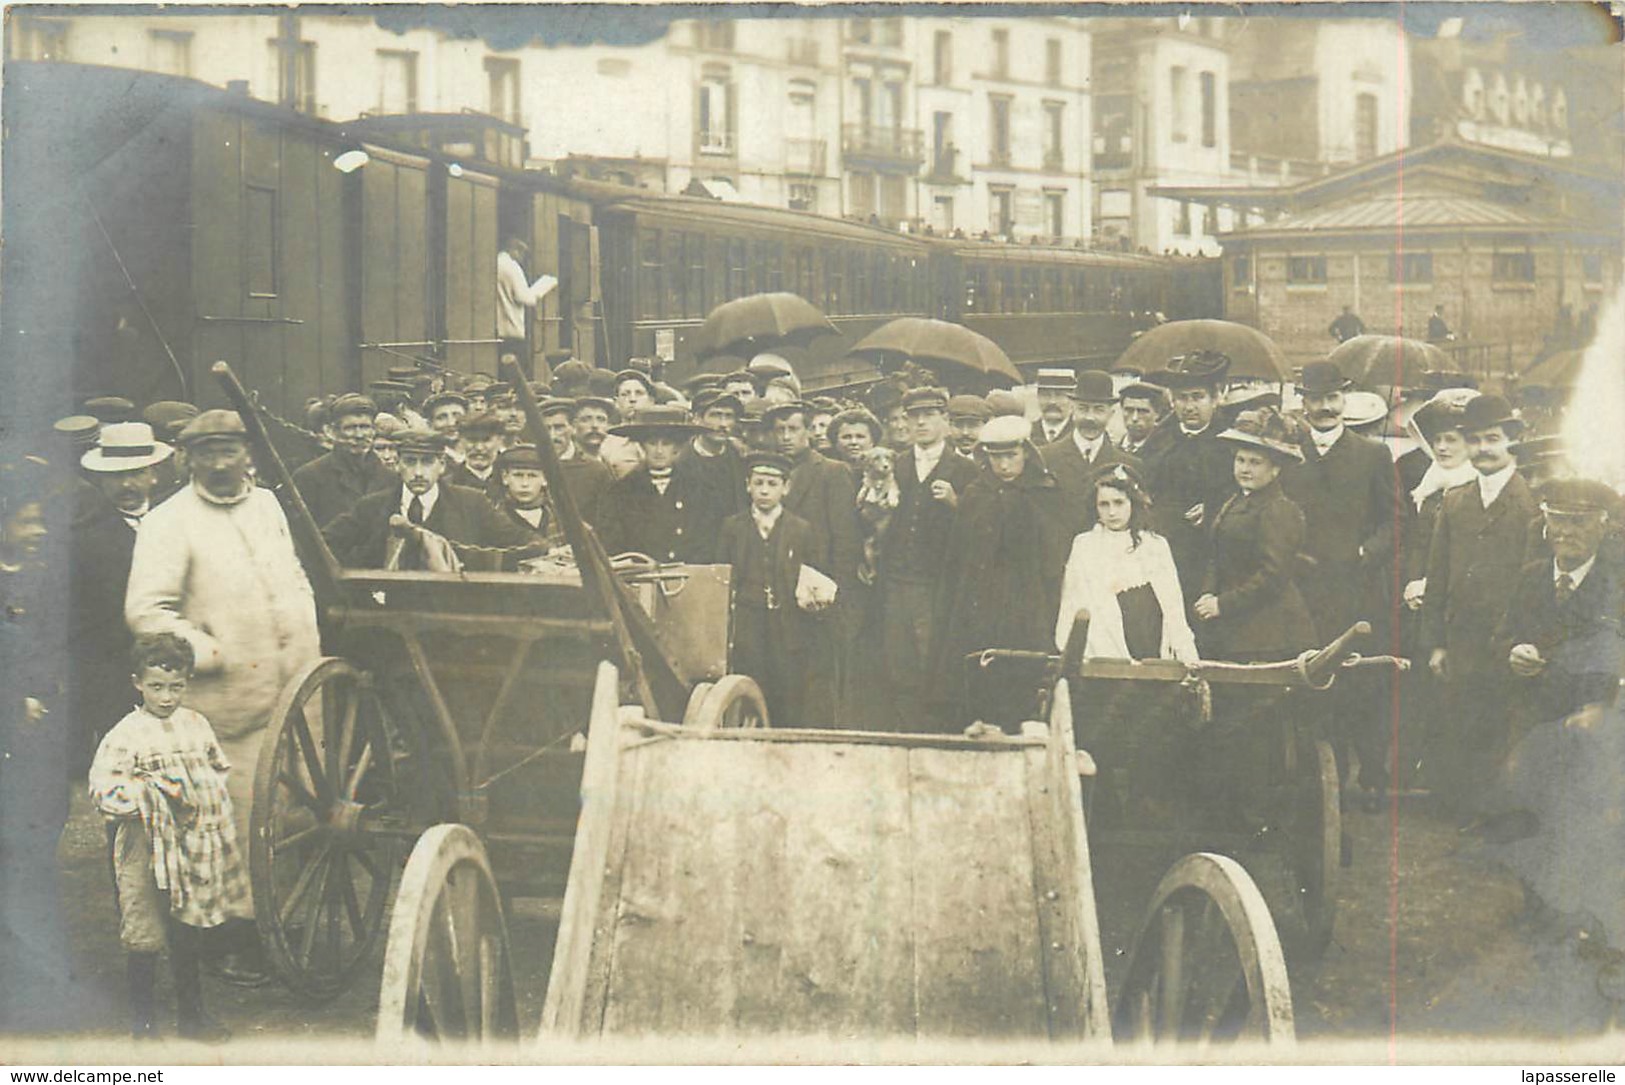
pixel 160 776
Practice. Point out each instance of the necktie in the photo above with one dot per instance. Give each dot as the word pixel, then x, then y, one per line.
pixel 414 511
pixel 1565 588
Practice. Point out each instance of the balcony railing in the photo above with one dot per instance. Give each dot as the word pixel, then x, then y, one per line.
pixel 899 145
pixel 804 156
pixel 716 142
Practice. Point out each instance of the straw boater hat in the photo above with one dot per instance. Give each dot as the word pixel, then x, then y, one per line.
pixel 125 446
pixel 657 422
pixel 1363 409
pixel 1056 380
pixel 79 430
pixel 1266 430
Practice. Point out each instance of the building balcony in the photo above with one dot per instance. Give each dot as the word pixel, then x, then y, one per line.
pixel 881 145
pixel 804 156
pixel 944 165
pixel 717 143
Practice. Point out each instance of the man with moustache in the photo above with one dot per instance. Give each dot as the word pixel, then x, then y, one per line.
pixel 1143 407
pixel 1345 486
pixel 336 480
pixel 591 419
pixel 482 436
pixel 1054 388
pixel 444 412
pixel 1075 459
pixel 713 455
pixel 966 417
pixel 1190 474
pixel 587 477
pixel 1481 540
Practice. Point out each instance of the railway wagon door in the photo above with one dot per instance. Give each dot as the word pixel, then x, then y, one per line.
pixel 469 329
pixel 396 302
pixel 269 266
pixel 561 246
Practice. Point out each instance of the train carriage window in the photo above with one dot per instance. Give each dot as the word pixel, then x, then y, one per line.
pixel 857 283
pixel 1031 290
pixel 805 283
pixel 673 275
pixel 975 288
pixel 738 270
pixel 260 241
pixel 699 304
pixel 885 282
pixel 718 270
pixel 834 282
pixel 1054 301
pixel 650 288
pixel 768 267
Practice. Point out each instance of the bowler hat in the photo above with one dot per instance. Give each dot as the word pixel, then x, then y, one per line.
pixel 925 399
pixel 602 382
pixel 215 425
pixel 1322 378
pixel 1094 386
pixel 125 446
pixel 1487 412
pixel 1577 497
pixel 571 376
pixel 1004 432
pixel 1265 429
pixel 775 462
pixel 656 421
pixel 1199 369
pixel 110 409
pixel 969 407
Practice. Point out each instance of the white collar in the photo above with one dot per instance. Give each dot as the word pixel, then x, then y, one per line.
pixel 1187 431
pixel 569 452
pixel 1576 576
pixel 1490 486
pixel 533 517
pixel 1052 433
pixel 1090 449
pixel 429 500
pixel 1325 440
pixel 926 459
pixel 479 476
pixel 765 521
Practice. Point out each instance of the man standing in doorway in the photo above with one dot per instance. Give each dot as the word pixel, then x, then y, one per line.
pixel 514 295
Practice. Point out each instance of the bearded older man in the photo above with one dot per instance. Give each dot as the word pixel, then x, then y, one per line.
pixel 215 565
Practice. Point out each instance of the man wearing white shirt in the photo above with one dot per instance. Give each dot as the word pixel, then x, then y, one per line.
pixel 1484 536
pixel 515 294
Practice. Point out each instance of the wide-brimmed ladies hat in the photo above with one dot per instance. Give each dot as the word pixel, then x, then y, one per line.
pixel 1267 430
pixel 125 446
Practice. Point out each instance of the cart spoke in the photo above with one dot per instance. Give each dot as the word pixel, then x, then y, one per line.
pixel 352 903
pixel 302 884
pixel 298 836
pixel 311 919
pixel 442 956
pixel 488 988
pixel 292 782
pixel 1172 1001
pixel 307 751
pixel 339 751
pixel 362 764
pixel 366 859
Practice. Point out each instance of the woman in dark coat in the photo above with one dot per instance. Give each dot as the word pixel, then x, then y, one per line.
pixel 1002 577
pixel 1249 608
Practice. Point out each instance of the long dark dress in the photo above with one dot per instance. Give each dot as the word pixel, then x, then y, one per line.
pixel 1001 586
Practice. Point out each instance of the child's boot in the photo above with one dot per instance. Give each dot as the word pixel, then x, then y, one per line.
pixel 191 1021
pixel 142 970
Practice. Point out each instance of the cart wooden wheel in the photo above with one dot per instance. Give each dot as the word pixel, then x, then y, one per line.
pixel 320 879
pixel 448 971
pixel 1313 851
pixel 734 702
pixel 696 700
pixel 1207 966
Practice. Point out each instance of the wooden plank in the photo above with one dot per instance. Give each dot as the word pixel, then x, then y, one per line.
pixel 412 301
pixel 460 282
pixel 1067 793
pixel 378 264
pixel 978 963
pixel 300 271
pixel 572 955
pixel 1064 977
pixel 483 320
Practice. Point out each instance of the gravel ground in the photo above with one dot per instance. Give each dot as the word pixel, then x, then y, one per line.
pixel 1425 947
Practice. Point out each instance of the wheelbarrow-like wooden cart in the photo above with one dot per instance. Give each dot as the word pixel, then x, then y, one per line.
pixel 451 697
pixel 1160 789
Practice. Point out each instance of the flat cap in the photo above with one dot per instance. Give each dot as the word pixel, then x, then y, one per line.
pixel 1004 432
pixel 389 427
pixel 635 375
pixel 111 409
pixel 707 398
pixel 925 399
pixel 524 454
pixel 420 439
pixel 218 424
pixel 1576 497
pixel 167 416
pixel 556 405
pixel 479 424
pixel 969 407
pixel 1002 401
pixel 352 403
pixel 772 462
pixel 440 399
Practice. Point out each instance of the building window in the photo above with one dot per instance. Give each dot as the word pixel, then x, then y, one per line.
pixel 1210 110
pixel 1002 209
pixel 1182 220
pixel 502 79
pixel 1114 131
pixel 170 51
pixel 397 81
pixel 998 129
pixel 942 144
pixel 942 58
pixel 1513 267
pixel 39 39
pixel 891 31
pixel 1591 268
pixel 1210 220
pixel 803 196
pixel 1241 272
pixel 1055 213
pixel 942 216
pixel 1054 135
pixel 716 115
pixel 1365 126
pixel 302 95
pixel 862 188
pixel 260 241
pixel 893 198
pixel 861 31
pixel 1179 120
pixel 1052 61
pixel 717 34
pixel 889 107
pixel 1410 267
pixel 1306 271
pixel 1560 111
pixel 1001 54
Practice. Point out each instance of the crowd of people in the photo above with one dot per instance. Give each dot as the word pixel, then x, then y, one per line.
pixel 877 543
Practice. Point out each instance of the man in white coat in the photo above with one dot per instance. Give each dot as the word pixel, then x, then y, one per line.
pixel 215 565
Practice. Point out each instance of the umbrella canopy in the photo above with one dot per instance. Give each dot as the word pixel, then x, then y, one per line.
pixel 1561 370
pixel 1251 352
pixel 940 347
pixel 759 322
pixel 1389 360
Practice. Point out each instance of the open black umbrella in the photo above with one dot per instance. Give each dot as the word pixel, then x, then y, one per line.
pixel 760 322
pixel 1251 352
pixel 939 346
pixel 1389 361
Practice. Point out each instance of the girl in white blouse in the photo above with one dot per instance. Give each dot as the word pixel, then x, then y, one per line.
pixel 1123 574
